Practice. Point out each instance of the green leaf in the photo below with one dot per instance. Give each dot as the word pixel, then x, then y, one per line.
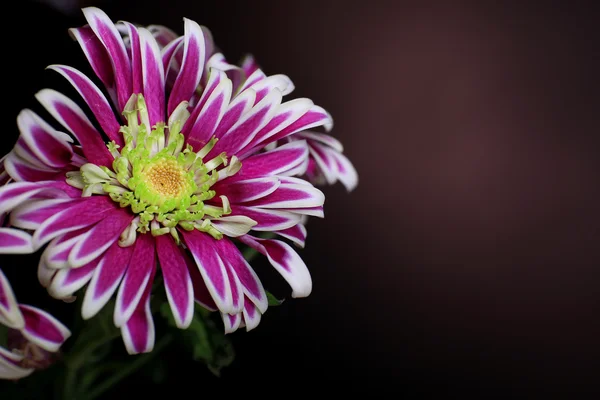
pixel 273 301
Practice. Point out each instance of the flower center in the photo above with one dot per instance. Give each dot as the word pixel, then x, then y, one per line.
pixel 162 182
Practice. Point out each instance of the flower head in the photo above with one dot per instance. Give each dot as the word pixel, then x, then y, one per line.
pixel 182 176
pixel 34 336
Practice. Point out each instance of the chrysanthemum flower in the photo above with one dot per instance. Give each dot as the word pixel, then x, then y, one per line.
pixel 34 336
pixel 174 173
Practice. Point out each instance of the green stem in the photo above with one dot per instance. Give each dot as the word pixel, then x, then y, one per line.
pixel 129 369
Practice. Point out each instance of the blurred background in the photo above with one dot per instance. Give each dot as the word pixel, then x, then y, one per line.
pixel 467 261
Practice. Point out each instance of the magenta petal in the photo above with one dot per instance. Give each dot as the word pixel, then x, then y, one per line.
pixel 138 333
pixel 297 234
pixel 48 145
pixel 94 99
pixel 17 193
pixel 136 278
pixel 56 254
pixel 231 322
pixel 43 329
pixel 274 162
pixel 106 278
pixel 153 77
pixel 69 280
pixel 135 56
pixel 168 55
pixel 108 34
pixel 239 106
pixel 96 54
pixel 32 214
pixel 14 241
pixel 9 366
pixel 286 261
pixel 24 171
pixel 65 111
pixel 246 190
pixel 267 220
pixel 289 196
pixel 211 267
pixel 192 67
pixel 162 35
pixel 9 308
pixel 178 283
pixel 251 284
pixel 100 237
pixel 201 293
pixel 249 65
pixel 83 213
pixel 251 314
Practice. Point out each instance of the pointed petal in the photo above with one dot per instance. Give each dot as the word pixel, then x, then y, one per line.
pixel 286 261
pixel 289 196
pixel 136 279
pixel 69 280
pixel 9 308
pixel 249 64
pixel 251 284
pixel 201 293
pixel 278 82
pixel 303 211
pixel 153 77
pixel 43 329
pixel 168 55
pixel 108 34
pixel 32 214
pixel 56 253
pixel 48 145
pixel 138 333
pixel 251 315
pixel 235 73
pixel 9 368
pixel 267 220
pixel 239 106
pixel 96 54
pixel 322 138
pixel 297 234
pixel 105 279
pixel 231 322
pixel 14 241
pixel 82 214
pixel 65 111
pixel 212 269
pixel 162 34
pixel 135 55
pixel 17 193
pixel 274 162
pixel 346 172
pixel 44 273
pixel 178 283
pixel 100 237
pixel 95 99
pixel 24 171
pixel 192 67
pixel 248 189
pixel 233 225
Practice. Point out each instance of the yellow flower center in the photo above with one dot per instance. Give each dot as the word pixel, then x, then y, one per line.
pixel 166 178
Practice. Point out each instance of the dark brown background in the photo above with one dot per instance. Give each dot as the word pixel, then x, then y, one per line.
pixel 467 261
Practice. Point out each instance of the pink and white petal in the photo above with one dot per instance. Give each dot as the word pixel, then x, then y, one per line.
pixel 138 333
pixel 231 322
pixel 251 315
pixel 106 278
pixel 291 196
pixel 233 225
pixel 136 279
pixel 248 189
pixel 325 162
pixel 95 99
pixel 314 117
pixel 237 292
pixel 201 293
pixel 16 193
pixel 96 54
pixel 293 180
pixel 256 76
pixel 251 284
pixel 153 77
pixel 267 220
pixel 235 73
pixel 211 267
pixel 169 61
pixel 162 34
pixel 192 67
pixel 244 130
pixel 108 34
pixel 274 162
pixel 56 253
pixel 210 110
pixel 278 82
pixel 249 64
pixel 65 111
pixel 322 138
pixel 32 214
pixel 49 146
pixel 9 366
pixel 43 329
pixel 10 315
pixel 296 234
pixel 44 273
pixel 346 172
pixel 82 214
pixel 69 280
pixel 286 261
pixel 286 114
pixel 178 284
pixel 21 170
pixel 239 106
pixel 98 239
pixel 14 241
pixel 135 56
pixel 304 211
